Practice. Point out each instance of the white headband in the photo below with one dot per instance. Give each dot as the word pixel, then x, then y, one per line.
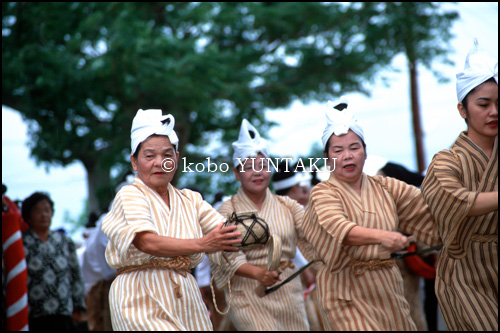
pixel 373 164
pixel 249 143
pixel 479 67
pixel 149 122
pixel 301 178
pixel 339 122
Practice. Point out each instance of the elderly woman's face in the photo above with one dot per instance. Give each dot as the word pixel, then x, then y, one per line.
pixel 350 156
pixel 41 216
pixel 155 152
pixel 255 174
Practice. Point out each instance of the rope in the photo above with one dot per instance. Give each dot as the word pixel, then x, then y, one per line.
pixel 213 292
pixel 181 265
pixel 359 267
pixel 238 218
pixel 281 267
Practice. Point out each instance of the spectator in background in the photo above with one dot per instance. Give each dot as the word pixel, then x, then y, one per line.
pixel 55 285
pixel 291 181
pixel 98 277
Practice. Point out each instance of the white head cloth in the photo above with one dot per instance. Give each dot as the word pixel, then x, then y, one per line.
pixel 149 122
pixel 339 122
pixel 373 164
pixel 479 67
pixel 249 143
pixel 301 178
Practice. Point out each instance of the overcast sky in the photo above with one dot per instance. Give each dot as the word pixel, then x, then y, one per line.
pixel 385 117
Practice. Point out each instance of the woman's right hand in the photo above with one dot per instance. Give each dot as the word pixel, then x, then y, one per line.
pixel 392 241
pixel 221 239
pixel 268 278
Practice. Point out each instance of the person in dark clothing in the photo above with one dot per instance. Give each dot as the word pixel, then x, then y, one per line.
pixel 55 285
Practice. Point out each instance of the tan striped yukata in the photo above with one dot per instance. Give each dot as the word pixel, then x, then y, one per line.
pixel 147 299
pixel 283 309
pixel 356 298
pixel 467 271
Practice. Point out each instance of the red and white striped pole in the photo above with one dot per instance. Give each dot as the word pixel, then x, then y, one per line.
pixel 16 288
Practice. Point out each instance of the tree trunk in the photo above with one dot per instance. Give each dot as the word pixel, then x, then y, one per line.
pixel 415 110
pixel 98 182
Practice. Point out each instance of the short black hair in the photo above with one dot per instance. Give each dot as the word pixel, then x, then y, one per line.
pixel 285 171
pixel 31 201
pixel 400 172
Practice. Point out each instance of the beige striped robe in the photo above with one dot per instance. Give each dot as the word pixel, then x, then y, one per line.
pixel 283 309
pixel 467 271
pixel 375 299
pixel 145 300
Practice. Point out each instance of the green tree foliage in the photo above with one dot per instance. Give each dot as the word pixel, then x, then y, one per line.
pixel 421 31
pixel 78 73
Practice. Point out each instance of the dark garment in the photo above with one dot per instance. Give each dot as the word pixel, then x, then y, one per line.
pixel 431 305
pixel 55 284
pixel 51 323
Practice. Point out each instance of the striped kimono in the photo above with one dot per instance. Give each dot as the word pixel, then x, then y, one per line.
pixel 146 300
pixel 375 299
pixel 282 310
pixel 467 271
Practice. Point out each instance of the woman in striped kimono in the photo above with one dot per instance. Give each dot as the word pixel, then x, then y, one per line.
pixel 351 221
pixel 157 234
pixel 282 310
pixel 461 188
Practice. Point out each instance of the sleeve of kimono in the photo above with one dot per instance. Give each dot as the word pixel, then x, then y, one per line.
pixel 415 217
pixel 209 219
pixel 77 286
pixel 129 215
pixel 446 195
pixel 225 268
pixel 298 217
pixel 326 209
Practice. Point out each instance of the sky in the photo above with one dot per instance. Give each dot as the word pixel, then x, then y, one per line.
pixel 385 116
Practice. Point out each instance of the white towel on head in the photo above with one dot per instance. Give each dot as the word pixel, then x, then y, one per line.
pixel 149 122
pixel 339 122
pixel 373 164
pixel 249 144
pixel 479 67
pixel 301 178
